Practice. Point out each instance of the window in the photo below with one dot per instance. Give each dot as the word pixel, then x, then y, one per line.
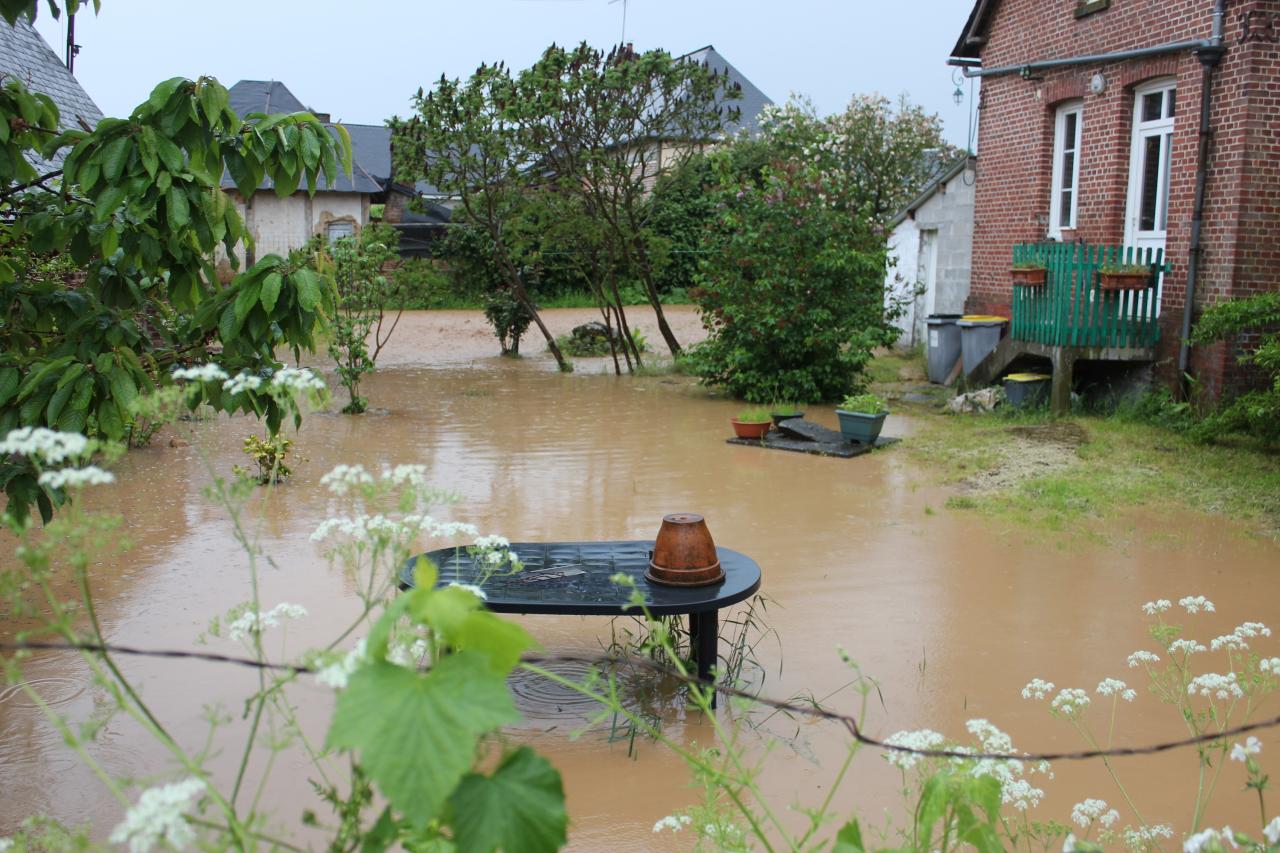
pixel 339 228
pixel 1153 119
pixel 1066 168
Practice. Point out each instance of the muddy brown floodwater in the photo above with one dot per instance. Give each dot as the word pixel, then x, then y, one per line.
pixel 951 613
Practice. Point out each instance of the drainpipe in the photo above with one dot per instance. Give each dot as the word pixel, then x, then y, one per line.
pixel 1026 69
pixel 1209 57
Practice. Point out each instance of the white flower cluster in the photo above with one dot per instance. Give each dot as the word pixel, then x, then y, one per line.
pixel 1090 810
pixel 490 542
pixel 1203 839
pixel 90 475
pixel 1037 688
pixel 341 479
pixel 922 739
pixel 368 527
pixel 1160 605
pixel 6 844
pixel 201 373
pixel 1070 701
pixel 1187 647
pixel 1140 838
pixel 1272 830
pixel 1215 685
pixel 471 588
pixel 411 475
pixel 408 652
pixel 1271 665
pixel 1196 603
pixel 335 674
pixel 1014 790
pixel 1241 751
pixel 1238 639
pixel 1140 657
pixel 242 382
pixel 297 380
pixel 158 817
pixel 47 445
pixel 255 623
pixel 1116 687
pixel 1020 794
pixel 673 822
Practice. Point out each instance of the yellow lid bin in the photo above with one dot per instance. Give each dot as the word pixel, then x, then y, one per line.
pixel 1026 389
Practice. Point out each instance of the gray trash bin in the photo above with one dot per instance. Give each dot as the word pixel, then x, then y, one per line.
pixel 944 346
pixel 1026 389
pixel 979 335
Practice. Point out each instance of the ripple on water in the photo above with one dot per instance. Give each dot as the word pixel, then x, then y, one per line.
pixel 642 691
pixel 54 690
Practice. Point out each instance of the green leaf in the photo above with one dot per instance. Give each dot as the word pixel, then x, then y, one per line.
pixel 271 291
pixel 416 734
pixel 123 389
pixel 849 839
pixel 110 421
pixel 9 378
pixel 308 287
pixel 246 299
pixel 179 210
pixel 114 156
pixel 519 809
pixel 498 639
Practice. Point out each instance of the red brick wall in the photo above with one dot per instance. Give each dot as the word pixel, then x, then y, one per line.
pixel 1241 234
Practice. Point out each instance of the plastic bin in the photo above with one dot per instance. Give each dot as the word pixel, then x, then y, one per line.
pixel 1026 389
pixel 979 335
pixel 944 346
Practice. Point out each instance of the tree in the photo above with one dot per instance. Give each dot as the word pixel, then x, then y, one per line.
pixel 466 139
pixel 1257 412
pixel 602 126
pixel 364 292
pixel 878 156
pixel 136 209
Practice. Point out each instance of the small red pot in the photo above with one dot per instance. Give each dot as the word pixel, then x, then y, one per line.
pixel 684 553
pixel 747 430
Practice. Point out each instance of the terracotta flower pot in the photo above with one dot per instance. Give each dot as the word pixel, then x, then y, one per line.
pixel 684 553
pixel 1124 281
pixel 1029 277
pixel 750 430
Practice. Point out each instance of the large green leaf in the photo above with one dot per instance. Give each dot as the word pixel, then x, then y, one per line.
pixel 519 809
pixel 849 839
pixel 416 733
pixel 271 291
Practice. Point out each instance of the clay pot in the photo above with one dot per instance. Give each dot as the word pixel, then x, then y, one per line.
pixel 684 553
pixel 744 429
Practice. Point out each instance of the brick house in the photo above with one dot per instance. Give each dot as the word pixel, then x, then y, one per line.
pixel 1091 132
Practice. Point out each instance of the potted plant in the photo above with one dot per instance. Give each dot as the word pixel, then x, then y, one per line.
pixel 1124 276
pixel 752 423
pixel 785 411
pixel 1029 274
pixel 861 417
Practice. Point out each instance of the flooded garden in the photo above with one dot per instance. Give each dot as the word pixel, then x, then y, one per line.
pixel 870 560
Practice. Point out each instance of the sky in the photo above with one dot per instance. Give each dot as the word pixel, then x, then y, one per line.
pixel 362 62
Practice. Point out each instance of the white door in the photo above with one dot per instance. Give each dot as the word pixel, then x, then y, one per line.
pixel 927 276
pixel 1147 213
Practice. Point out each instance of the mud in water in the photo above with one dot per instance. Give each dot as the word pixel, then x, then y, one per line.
pixel 952 614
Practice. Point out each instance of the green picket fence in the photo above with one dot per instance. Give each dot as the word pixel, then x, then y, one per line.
pixel 1071 308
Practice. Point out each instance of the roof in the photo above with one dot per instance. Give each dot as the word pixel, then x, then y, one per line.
pixel 752 102
pixel 26 56
pixel 932 189
pixel 370 144
pixel 974 36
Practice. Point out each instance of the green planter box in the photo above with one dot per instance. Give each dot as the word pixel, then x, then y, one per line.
pixel 856 426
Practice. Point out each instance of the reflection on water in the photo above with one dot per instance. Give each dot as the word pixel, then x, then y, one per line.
pixel 950 612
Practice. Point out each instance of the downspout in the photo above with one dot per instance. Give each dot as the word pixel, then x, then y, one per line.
pixel 1209 58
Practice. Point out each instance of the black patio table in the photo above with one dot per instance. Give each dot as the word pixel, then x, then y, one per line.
pixel 573 579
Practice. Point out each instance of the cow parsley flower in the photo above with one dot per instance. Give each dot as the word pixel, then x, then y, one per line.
pixel 1195 603
pixel 410 475
pixel 201 373
pixel 1272 830
pixel 242 382
pixel 1241 751
pixel 1021 794
pixel 673 822
pixel 488 542
pixel 1140 657
pixel 1037 689
pixel 1116 687
pixel 451 529
pixel 1139 838
pixel 337 673
pixel 255 623
pixel 471 588
pixel 923 739
pixel 1202 840
pixel 1070 701
pixel 1187 647
pixel 90 475
pixel 47 445
pixel 1090 810
pixel 297 380
pixel 158 817
pixel 407 653
pixel 1152 608
pixel 1215 685
pixel 1271 665
pixel 343 478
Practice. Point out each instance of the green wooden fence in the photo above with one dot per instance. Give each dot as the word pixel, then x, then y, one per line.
pixel 1071 309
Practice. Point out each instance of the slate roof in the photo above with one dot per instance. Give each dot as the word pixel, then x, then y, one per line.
pixel 26 56
pixel 752 102
pixel 974 36
pixel 370 145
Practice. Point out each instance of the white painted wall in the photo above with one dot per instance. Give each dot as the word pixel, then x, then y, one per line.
pixel 280 225
pixel 949 214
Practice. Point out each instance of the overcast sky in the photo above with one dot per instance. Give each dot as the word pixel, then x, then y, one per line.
pixel 361 62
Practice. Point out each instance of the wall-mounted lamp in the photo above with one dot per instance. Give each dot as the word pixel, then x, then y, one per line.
pixel 1097 84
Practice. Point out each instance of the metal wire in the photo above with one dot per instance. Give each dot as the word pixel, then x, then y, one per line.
pixel 812 711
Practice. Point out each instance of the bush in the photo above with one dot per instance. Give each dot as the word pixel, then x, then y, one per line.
pixel 793 295
pixel 1256 413
pixel 419 284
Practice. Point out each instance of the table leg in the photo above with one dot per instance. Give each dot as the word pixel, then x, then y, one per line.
pixel 704 637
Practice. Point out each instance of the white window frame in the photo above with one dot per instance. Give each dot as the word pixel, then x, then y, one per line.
pixel 1057 185
pixel 1161 128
